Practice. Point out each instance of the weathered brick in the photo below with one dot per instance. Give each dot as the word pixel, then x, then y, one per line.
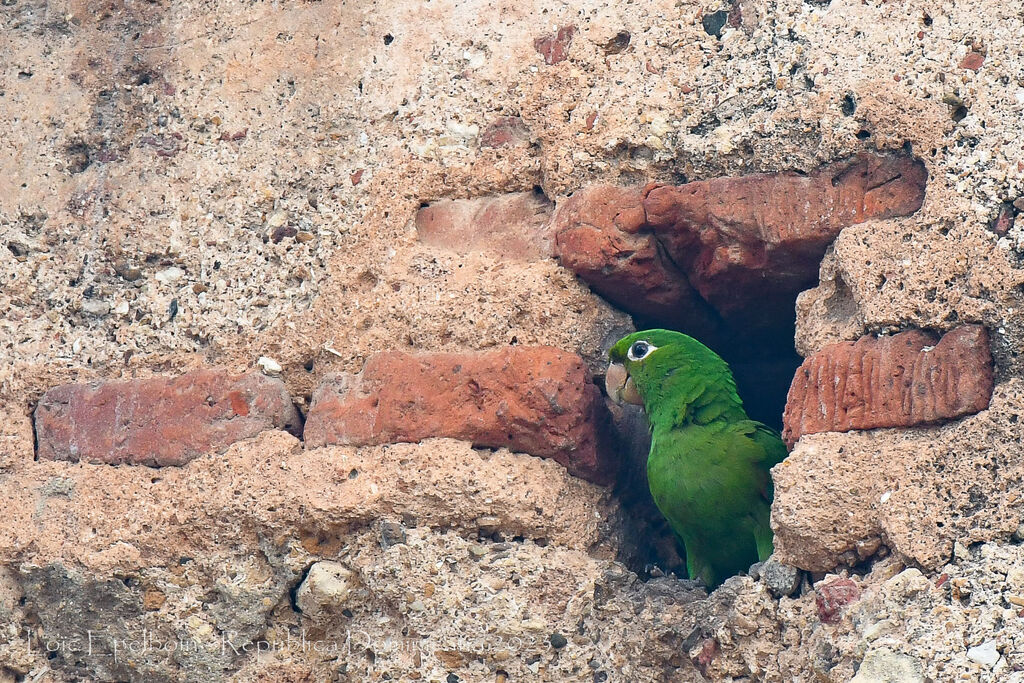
pixel 504 131
pixel 973 61
pixel 745 245
pixel 899 381
pixel 513 225
pixel 159 421
pixel 750 244
pixel 599 235
pixel 832 597
pixel 537 400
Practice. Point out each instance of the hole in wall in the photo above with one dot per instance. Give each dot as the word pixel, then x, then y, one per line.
pixel 763 362
pixel 849 105
pixel 714 22
pixel 697 266
pixel 35 433
pixel 293 592
pixel 78 157
pixel 617 44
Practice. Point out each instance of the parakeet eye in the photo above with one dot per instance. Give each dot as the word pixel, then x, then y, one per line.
pixel 640 350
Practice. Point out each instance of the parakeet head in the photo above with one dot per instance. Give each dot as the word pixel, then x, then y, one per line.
pixel 653 364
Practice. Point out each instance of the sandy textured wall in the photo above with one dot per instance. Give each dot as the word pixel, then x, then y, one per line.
pixel 189 185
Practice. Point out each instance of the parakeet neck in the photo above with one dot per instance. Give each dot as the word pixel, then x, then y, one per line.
pixel 688 401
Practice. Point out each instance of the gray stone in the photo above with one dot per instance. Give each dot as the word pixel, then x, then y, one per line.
pixel 391 533
pixel 95 307
pixel 781 579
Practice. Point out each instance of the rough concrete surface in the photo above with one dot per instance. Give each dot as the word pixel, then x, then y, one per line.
pixel 917 491
pixel 192 184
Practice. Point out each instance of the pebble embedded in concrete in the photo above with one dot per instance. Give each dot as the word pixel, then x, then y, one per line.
pixel 985 654
pixel 326 589
pixel 268 366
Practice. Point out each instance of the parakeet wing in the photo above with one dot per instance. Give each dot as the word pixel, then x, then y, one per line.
pixel 774 453
pixel 712 483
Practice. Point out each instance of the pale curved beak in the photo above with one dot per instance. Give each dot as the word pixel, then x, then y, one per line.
pixel 619 385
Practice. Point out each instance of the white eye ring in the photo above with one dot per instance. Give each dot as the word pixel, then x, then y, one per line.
pixel 639 350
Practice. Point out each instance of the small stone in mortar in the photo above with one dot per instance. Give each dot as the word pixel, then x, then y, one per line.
pixel 781 579
pixel 391 533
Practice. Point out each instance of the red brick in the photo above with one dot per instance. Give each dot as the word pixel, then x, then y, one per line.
pixel 1005 216
pixel 750 244
pixel 159 421
pixel 972 61
pixel 555 48
pixel 538 400
pixel 741 248
pixel 511 225
pixel 900 381
pixel 709 650
pixel 832 597
pixel 598 235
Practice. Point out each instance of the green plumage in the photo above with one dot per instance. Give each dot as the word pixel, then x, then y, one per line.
pixel 708 468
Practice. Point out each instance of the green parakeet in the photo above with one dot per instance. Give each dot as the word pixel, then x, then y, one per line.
pixel 708 464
